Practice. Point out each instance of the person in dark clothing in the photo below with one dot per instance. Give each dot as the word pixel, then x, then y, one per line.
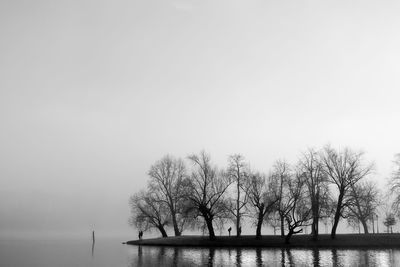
pixel 229 230
pixel 140 235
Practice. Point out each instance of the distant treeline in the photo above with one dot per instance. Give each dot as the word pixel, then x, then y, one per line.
pixel 324 185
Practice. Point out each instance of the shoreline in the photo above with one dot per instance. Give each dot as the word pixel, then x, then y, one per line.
pixel 271 241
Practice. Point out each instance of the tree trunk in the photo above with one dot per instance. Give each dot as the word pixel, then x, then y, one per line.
pixel 337 215
pixel 259 225
pixel 335 225
pixel 289 235
pixel 175 224
pixel 314 227
pixel 237 209
pixel 162 230
pixel 365 226
pixel 282 226
pixel 237 224
pixel 210 227
pixel 315 217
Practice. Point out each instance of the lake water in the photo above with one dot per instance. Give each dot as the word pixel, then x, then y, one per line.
pixel 113 253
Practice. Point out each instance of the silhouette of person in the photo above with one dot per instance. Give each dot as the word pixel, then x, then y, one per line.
pixel 240 230
pixel 140 234
pixel 229 230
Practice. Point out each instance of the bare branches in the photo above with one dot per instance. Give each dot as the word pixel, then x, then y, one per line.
pixel 362 203
pixel 310 166
pixel 148 212
pixel 238 172
pixel 394 184
pixel 208 186
pixel 261 199
pixel 168 181
pixel 344 169
pixel 321 183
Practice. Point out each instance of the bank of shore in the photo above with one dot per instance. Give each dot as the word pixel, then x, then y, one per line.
pixel 271 241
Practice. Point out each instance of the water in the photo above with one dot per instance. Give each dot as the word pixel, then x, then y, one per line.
pixel 113 253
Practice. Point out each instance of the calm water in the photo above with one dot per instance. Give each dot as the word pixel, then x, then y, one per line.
pixel 113 253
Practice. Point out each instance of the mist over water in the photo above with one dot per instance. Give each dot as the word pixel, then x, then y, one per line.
pixel 110 252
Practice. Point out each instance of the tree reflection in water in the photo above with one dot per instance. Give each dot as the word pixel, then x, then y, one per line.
pixel 238 257
pixel 211 254
pixel 259 260
pixel 284 257
pixel 316 257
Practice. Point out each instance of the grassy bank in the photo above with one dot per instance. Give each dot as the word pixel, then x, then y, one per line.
pixel 324 241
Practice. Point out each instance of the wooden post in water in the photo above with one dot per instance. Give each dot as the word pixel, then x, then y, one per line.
pixel 93 240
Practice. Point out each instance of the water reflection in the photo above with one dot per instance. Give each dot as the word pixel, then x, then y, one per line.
pixel 315 256
pixel 178 256
pixel 93 249
pixel 259 260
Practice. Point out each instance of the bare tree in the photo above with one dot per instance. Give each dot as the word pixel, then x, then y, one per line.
pixel 167 180
pixel 238 172
pixel 273 220
pixel 344 169
pixel 279 178
pixel 208 187
pixel 261 198
pixel 394 184
pixel 297 213
pixel 363 200
pixel 389 221
pixel 311 167
pixel 149 212
pixel 354 223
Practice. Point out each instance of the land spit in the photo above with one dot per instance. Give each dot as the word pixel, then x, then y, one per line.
pixel 273 241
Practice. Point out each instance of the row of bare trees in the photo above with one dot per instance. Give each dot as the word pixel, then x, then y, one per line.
pixel 325 184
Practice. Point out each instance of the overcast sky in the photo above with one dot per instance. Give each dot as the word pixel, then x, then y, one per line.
pixel 93 92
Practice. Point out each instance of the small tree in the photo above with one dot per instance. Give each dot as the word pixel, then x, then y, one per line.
pixel 273 220
pixel 148 212
pixel 389 221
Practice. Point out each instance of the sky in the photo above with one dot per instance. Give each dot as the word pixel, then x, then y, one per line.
pixel 94 92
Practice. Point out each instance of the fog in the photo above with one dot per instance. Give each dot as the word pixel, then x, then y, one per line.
pixel 94 92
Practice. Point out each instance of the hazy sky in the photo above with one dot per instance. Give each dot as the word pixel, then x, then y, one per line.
pixel 93 92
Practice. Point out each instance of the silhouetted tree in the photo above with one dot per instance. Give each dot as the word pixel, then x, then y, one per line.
pixel 273 220
pixel 311 167
pixel 208 186
pixel 167 180
pixel 261 198
pixel 298 213
pixel 149 212
pixel 238 172
pixel 344 169
pixel 362 203
pixel 280 176
pixel 389 221
pixel 394 184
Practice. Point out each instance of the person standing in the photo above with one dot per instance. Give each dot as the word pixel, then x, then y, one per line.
pixel 229 230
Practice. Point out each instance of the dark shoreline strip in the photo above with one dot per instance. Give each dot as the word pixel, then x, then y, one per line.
pixel 345 241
